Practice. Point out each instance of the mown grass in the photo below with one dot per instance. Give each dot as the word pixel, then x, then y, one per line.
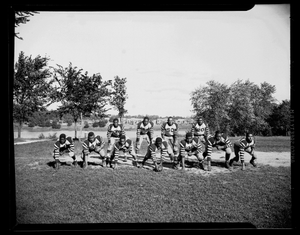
pixel 261 196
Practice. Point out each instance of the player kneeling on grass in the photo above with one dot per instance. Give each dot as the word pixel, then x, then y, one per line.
pixel 190 147
pixel 221 143
pixel 93 144
pixel 246 144
pixel 64 150
pixel 157 151
pixel 124 146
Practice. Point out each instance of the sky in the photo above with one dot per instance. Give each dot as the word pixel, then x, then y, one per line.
pixel 165 55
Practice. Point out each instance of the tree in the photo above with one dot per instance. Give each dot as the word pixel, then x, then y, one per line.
pixel 280 119
pixel 80 94
pixel 119 96
pixel 212 103
pixel 22 17
pixel 31 88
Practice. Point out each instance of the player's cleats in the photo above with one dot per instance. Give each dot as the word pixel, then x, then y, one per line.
pixel 253 162
pixel 208 166
pixel 104 162
pixel 227 165
pixel 75 163
pixel 231 162
pixel 56 164
pixel 243 166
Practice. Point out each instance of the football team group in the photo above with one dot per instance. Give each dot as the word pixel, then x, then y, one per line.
pixel 197 144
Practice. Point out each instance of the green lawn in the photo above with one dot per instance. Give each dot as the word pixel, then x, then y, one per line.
pixel 261 196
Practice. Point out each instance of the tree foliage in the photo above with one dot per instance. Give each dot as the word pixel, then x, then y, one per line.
pixel 242 106
pixel 22 17
pixel 280 119
pixel 31 87
pixel 119 96
pixel 80 93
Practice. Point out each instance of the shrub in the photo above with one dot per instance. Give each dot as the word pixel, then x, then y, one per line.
pixel 31 124
pixel 41 136
pixel 69 122
pixel 52 137
pixel 102 123
pixel 86 125
pixel 47 123
pixel 55 125
pixel 95 124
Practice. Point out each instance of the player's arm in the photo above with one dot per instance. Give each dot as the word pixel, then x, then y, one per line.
pixel 85 147
pixel 109 132
pixel 138 132
pixel 71 145
pixel 175 133
pixel 163 130
pixel 101 142
pixel 56 149
pixel 122 129
pixel 182 148
pixel 151 132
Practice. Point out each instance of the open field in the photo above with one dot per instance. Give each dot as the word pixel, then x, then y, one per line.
pixel 261 196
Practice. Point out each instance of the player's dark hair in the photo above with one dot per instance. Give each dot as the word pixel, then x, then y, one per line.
pixel 188 134
pixel 122 137
pixel 62 136
pixel 248 133
pixel 158 140
pixel 146 118
pixel 115 119
pixel 217 132
pixel 91 134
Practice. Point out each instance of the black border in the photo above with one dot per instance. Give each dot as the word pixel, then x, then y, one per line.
pixel 11 224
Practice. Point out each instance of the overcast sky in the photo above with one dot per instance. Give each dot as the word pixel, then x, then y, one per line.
pixel 166 55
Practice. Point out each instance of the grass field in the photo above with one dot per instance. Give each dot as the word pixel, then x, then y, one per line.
pixel 261 196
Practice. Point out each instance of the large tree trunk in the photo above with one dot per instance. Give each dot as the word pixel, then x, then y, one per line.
pixel 20 128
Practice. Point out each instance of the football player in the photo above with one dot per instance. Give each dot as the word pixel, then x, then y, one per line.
pixel 221 143
pixel 246 144
pixel 144 132
pixel 156 151
pixel 114 131
pixel 190 147
pixel 124 146
pixel 64 149
pixel 169 131
pixel 200 130
pixel 96 145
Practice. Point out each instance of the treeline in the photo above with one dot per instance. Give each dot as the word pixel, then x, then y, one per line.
pixel 240 107
pixel 36 86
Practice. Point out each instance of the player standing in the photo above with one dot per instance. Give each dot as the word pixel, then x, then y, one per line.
pixel 114 131
pixel 169 132
pixel 144 132
pixel 200 130
pixel 190 147
pixel 157 151
pixel 64 149
pixel 221 143
pixel 246 144
pixel 124 146
pixel 93 144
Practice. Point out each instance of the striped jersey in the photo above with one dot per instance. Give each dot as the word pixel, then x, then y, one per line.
pixel 212 142
pixel 198 130
pixel 169 130
pixel 61 148
pixel 115 132
pixel 127 147
pixel 162 151
pixel 190 147
pixel 98 143
pixel 144 129
pixel 244 144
